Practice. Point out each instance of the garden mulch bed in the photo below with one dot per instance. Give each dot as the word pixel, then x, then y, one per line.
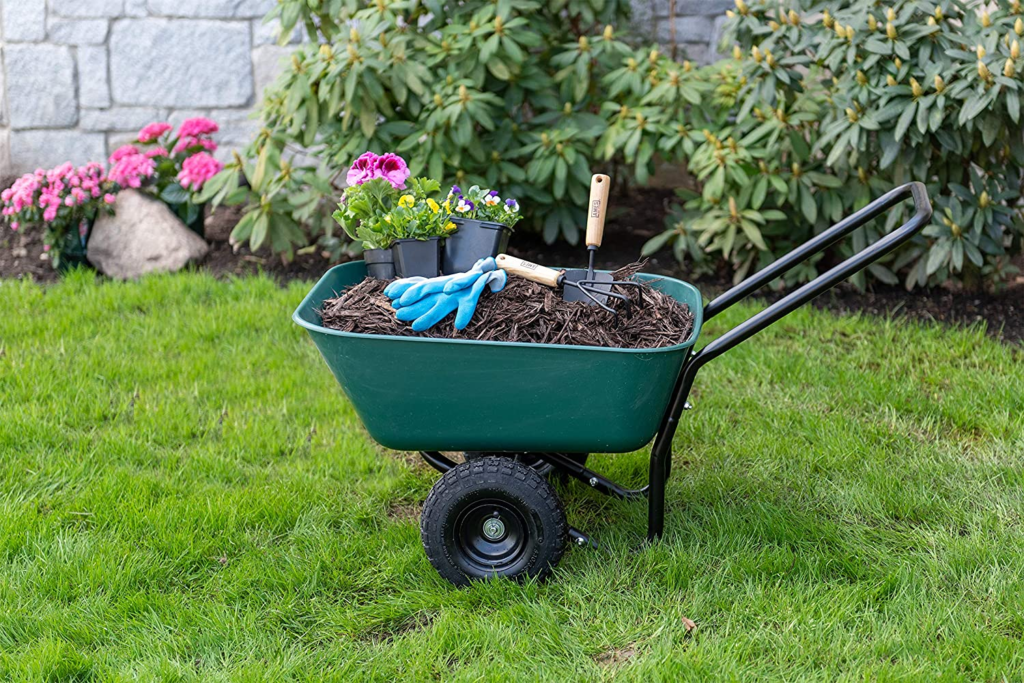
pixel 1002 312
pixel 525 311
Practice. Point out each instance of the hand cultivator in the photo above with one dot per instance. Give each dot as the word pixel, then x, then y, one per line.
pixel 495 514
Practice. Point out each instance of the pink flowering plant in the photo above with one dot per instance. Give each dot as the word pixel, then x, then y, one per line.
pixel 172 165
pixel 382 203
pixel 64 201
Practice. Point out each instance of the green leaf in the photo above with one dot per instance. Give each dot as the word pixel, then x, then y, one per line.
pixel 808 206
pixel 906 118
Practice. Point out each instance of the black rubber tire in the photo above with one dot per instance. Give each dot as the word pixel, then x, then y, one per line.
pixel 533 520
pixel 541 466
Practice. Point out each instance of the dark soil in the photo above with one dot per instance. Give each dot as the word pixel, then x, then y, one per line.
pixel 526 312
pixel 21 255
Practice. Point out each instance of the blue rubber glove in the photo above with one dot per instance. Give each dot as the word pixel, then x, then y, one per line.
pixel 431 309
pixel 412 289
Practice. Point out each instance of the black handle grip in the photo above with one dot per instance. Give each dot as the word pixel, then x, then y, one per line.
pixel 825 281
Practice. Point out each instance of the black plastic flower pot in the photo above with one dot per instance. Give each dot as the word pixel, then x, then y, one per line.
pixel 380 263
pixel 420 258
pixel 473 241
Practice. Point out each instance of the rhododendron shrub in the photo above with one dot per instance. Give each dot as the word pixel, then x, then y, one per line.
pixel 64 200
pixel 170 164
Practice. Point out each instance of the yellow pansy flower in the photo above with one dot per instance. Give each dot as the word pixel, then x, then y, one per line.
pixel 433 205
pixel 451 226
pixel 407 201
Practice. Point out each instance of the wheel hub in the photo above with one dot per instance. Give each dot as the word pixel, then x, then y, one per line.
pixel 494 528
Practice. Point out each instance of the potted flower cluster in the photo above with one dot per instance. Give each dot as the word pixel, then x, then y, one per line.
pixel 66 201
pixel 400 224
pixel 170 165
pixel 484 223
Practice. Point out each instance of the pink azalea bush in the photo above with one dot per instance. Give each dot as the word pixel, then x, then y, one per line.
pixel 65 200
pixel 197 169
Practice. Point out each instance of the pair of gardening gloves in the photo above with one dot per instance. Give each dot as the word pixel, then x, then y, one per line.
pixel 426 301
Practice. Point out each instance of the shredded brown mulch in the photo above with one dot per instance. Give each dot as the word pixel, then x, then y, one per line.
pixel 525 311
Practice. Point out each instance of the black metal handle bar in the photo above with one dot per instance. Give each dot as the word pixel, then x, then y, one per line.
pixel 661 452
pixel 922 215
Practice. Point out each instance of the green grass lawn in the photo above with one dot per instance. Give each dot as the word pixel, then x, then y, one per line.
pixel 185 494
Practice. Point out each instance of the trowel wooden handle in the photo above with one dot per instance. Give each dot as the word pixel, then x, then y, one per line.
pixel 599 187
pixel 530 271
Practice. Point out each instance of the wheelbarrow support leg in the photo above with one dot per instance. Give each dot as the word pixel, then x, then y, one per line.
pixel 661 452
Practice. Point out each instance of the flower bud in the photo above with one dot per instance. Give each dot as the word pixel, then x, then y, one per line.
pixel 986 20
pixel 609 32
pixel 1008 69
pixel 437 100
pixel 1018 27
pixel 840 31
pixel 631 64
pixel 862 79
pixel 898 62
pixel 794 18
pixel 862 174
pixel 567 108
pixel 849 32
pixel 938 14
pixel 890 14
pixel 983 71
pixel 687 65
pixel 729 13
pixel 890 31
pixel 872 23
pixel 774 25
pixel 931 21
pixel 890 81
pixel 755 52
pixel 984 199
pixel 769 59
pixel 353 35
pixel 826 19
pixel 940 85
pixel 796 169
pixel 463 94
pixel 916 88
pixel 737 53
pixel 851 115
pixel 584 44
pixel 1015 50
pixel 742 8
pixel 653 57
pixel 980 51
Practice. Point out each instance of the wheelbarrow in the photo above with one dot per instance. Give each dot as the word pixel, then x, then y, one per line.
pixel 505 406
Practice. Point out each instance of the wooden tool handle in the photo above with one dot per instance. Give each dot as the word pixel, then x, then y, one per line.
pixel 530 271
pixel 599 187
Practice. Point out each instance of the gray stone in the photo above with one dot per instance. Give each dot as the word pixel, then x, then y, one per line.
pixel 695 52
pixel 237 128
pixel 141 237
pixel 77 31
pixel 118 118
pixel 87 8
pixel 3 91
pixel 41 86
pixel 93 84
pixel 718 51
pixel 176 117
pixel 688 30
pixel 181 63
pixel 211 9
pixel 267 65
pixel 686 8
pixel 31 149
pixel 24 20
pixel 5 152
pixel 135 8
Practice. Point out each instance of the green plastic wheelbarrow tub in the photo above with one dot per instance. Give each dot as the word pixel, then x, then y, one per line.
pixel 419 394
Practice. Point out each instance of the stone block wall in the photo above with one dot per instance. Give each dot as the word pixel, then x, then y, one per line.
pixel 80 77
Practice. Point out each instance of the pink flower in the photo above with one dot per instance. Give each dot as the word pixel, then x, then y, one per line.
pixel 121 152
pixel 393 168
pixel 46 247
pixel 15 225
pixel 129 171
pixel 364 168
pixel 156 152
pixel 189 141
pixel 197 169
pixel 109 198
pixel 196 127
pixel 153 131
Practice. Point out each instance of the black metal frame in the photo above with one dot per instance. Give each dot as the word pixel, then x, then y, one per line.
pixel 661 452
